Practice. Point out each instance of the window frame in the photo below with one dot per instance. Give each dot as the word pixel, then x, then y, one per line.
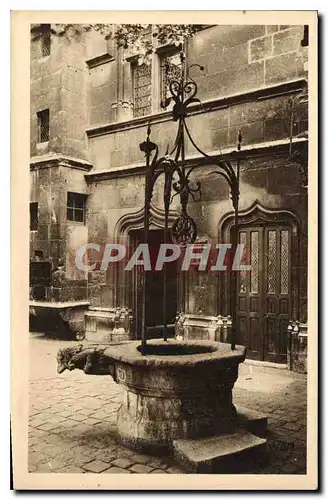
pixel 41 116
pixel 134 66
pixel 161 51
pixel 71 197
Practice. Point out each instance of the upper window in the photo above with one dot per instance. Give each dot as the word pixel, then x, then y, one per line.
pixel 170 69
pixel 45 39
pixel 142 89
pixel 43 125
pixel 34 216
pixel 76 204
pixel 150 81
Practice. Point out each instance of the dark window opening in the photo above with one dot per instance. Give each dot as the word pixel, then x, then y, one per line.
pixel 34 216
pixel 171 69
pixel 76 205
pixel 45 40
pixel 305 41
pixel 43 125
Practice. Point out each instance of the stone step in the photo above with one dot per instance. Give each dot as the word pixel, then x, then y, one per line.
pixel 254 421
pixel 216 454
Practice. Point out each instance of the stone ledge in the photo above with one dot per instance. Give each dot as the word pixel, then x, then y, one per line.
pixel 59 160
pixel 222 355
pixel 58 305
pixel 206 454
pixel 278 147
pixel 204 107
pixel 266 364
pixel 99 60
pixel 255 422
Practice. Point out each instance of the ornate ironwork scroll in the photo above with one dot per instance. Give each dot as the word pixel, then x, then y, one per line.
pixel 181 89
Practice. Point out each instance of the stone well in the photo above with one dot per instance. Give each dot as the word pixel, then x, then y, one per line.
pixel 175 390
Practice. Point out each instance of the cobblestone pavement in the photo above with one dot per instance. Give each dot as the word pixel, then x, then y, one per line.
pixel 72 419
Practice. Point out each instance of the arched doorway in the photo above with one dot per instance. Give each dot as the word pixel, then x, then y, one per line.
pixel 267 294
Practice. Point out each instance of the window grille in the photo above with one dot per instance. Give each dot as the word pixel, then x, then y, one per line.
pixel 254 261
pixel 142 76
pixel 284 262
pixel 43 125
pixel 76 205
pixel 272 261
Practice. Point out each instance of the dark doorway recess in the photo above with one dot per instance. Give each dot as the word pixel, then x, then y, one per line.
pixel 154 297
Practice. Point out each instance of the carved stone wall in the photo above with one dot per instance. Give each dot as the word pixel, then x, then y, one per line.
pixel 105 326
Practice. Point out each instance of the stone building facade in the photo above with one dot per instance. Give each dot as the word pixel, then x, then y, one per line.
pixel 90 106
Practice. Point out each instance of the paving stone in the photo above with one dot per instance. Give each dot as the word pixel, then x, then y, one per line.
pixel 53 438
pixel 44 467
pixel 33 440
pixel 86 411
pixel 174 470
pixel 140 459
pixel 116 470
pixel 37 421
pixel 80 460
pixel 292 426
pixel 96 466
pixel 68 412
pixel 71 470
pixel 78 417
pixel 158 471
pixel 92 421
pixel 106 455
pixel 123 463
pixel 141 469
pixel 99 415
pixel 157 462
pixel 56 419
pixel 36 457
pixel 48 426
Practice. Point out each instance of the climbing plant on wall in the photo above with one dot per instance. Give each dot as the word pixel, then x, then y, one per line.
pixel 143 38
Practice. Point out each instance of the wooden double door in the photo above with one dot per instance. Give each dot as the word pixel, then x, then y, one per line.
pixel 264 292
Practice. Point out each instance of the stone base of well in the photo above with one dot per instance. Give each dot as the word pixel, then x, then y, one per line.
pixel 177 397
pixel 216 453
pixel 178 390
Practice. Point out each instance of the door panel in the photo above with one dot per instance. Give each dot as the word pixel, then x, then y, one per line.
pixel 264 292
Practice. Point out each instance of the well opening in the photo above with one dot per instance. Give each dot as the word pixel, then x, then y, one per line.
pixel 168 349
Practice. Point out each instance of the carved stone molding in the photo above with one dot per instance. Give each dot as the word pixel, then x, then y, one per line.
pixel 108 325
pixel 297 335
pixel 202 327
